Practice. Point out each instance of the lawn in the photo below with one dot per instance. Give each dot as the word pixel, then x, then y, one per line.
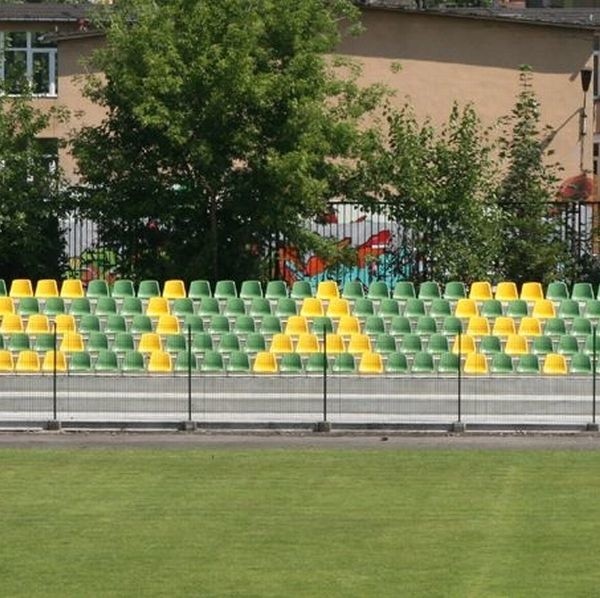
pixel 298 523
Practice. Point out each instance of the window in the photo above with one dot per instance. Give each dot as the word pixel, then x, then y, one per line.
pixel 28 60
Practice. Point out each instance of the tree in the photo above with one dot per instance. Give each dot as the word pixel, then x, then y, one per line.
pixel 531 247
pixel 31 240
pixel 226 128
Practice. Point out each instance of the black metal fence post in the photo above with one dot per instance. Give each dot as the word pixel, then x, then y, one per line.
pixel 189 372
pixel 594 362
pixel 325 373
pixel 54 424
pixel 459 405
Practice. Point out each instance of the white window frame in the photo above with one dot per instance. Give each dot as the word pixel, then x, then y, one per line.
pixel 31 51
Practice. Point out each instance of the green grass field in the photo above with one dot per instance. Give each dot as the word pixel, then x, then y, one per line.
pixel 298 523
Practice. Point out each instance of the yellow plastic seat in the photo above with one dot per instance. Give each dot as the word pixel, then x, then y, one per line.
pixel 265 363
pixel 65 323
pixel 149 342
pixel 37 324
pixel 543 309
pixel 476 364
pixel 11 323
pixel 334 344
pixel 312 308
pixel 27 362
pixel 504 326
pixel 157 306
pixel 480 291
pixel 48 363
pixel 174 289
pixel 281 343
pixel 555 365
pixel 6 361
pixel 7 306
pixel 72 342
pixel 530 326
pixel 296 325
pixel 21 287
pixel 466 308
pixel 167 324
pixel 467 344
pixel 532 291
pixel 348 325
pixel 359 343
pixel 338 307
pixel 478 326
pixel 308 343
pixel 71 288
pixel 506 291
pixel 160 363
pixel 370 363
pixel 328 289
pixel 46 288
pixel 516 345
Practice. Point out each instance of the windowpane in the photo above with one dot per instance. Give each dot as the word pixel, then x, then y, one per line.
pixel 15 71
pixel 38 40
pixel 41 72
pixel 16 39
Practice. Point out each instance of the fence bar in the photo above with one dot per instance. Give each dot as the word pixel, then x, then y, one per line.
pixel 459 405
pixel 324 373
pixel 594 361
pixel 54 401
pixel 189 372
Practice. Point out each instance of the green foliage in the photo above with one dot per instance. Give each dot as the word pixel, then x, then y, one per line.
pixel 31 242
pixel 226 128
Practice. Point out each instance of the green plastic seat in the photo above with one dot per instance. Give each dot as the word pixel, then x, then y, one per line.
pixel 557 291
pixel 452 326
pixel 448 363
pixel 588 346
pixel 259 307
pixel 568 309
pixel 183 307
pixel 18 341
pixel 251 289
pixel 106 306
pixel 199 289
pixel 45 342
pixel 148 288
pixel 429 290
pixel 97 288
pixel 316 363
pixel 581 364
pixel 440 308
pixel 194 322
pixel 582 292
pixel 426 326
pixel 106 361
pixel 385 344
pixel 516 308
pixel 184 360
pixel 389 308
pixel 374 325
pixel 353 290
pixel 270 325
pixel 175 343
pixel 234 306
pixel 567 345
pixel 378 290
pixel 54 306
pixel 123 342
pixel 437 344
pixel 133 362
pixel 97 341
pixel 301 289
pixel 555 327
pixel 3 291
pixel 528 364
pixel 404 290
pixel 410 344
pixel 212 362
pixel 322 324
pixel 414 308
pixel 238 362
pixel 141 324
pixel 581 326
pixel 80 306
pixel 123 288
pixel 2 342
pixel 202 342
pixel 229 342
pixel 344 363
pixel 396 364
pixel 276 289
pixel 592 309
pixel 291 363
pixel 501 363
pixel 286 307
pixel 209 306
pixel 542 345
pixel 363 308
pixel 218 325
pixel 224 289
pixel 244 325
pixel 89 323
pixel 115 323
pixel 81 361
pixel 490 345
pixel 455 290
pixel 400 325
pixel 423 363
pixel 491 308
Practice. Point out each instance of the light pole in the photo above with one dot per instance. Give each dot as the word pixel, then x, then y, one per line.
pixel 585 75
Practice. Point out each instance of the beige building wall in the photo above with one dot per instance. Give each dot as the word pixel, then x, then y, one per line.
pixel 446 59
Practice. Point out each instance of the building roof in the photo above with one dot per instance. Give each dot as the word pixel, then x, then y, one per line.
pixel 574 18
pixel 43 11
